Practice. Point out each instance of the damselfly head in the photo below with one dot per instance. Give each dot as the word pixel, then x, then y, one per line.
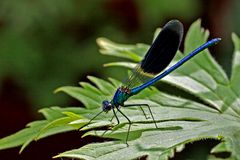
pixel 106 106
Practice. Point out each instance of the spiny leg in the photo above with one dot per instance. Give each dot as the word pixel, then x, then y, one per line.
pixel 90 120
pixel 114 115
pixel 151 114
pixel 130 105
pixel 130 123
pixel 143 112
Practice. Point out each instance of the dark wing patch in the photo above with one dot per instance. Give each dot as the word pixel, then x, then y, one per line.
pixel 163 48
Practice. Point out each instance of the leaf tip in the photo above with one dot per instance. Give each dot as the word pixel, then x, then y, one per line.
pixel 102 42
pixel 57 156
pixel 57 90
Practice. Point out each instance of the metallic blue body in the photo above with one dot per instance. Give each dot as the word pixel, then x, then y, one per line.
pixel 157 58
pixel 122 94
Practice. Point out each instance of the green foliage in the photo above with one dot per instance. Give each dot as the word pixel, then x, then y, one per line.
pixel 180 120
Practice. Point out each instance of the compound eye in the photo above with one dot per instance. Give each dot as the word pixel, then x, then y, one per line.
pixel 106 106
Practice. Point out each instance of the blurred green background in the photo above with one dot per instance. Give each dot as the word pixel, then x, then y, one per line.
pixel 45 44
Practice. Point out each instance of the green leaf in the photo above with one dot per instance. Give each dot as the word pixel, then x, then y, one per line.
pixel 222 147
pixel 22 136
pixel 103 85
pixel 180 121
pixel 121 64
pixel 134 52
pixel 235 77
pixel 57 121
pixel 88 98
